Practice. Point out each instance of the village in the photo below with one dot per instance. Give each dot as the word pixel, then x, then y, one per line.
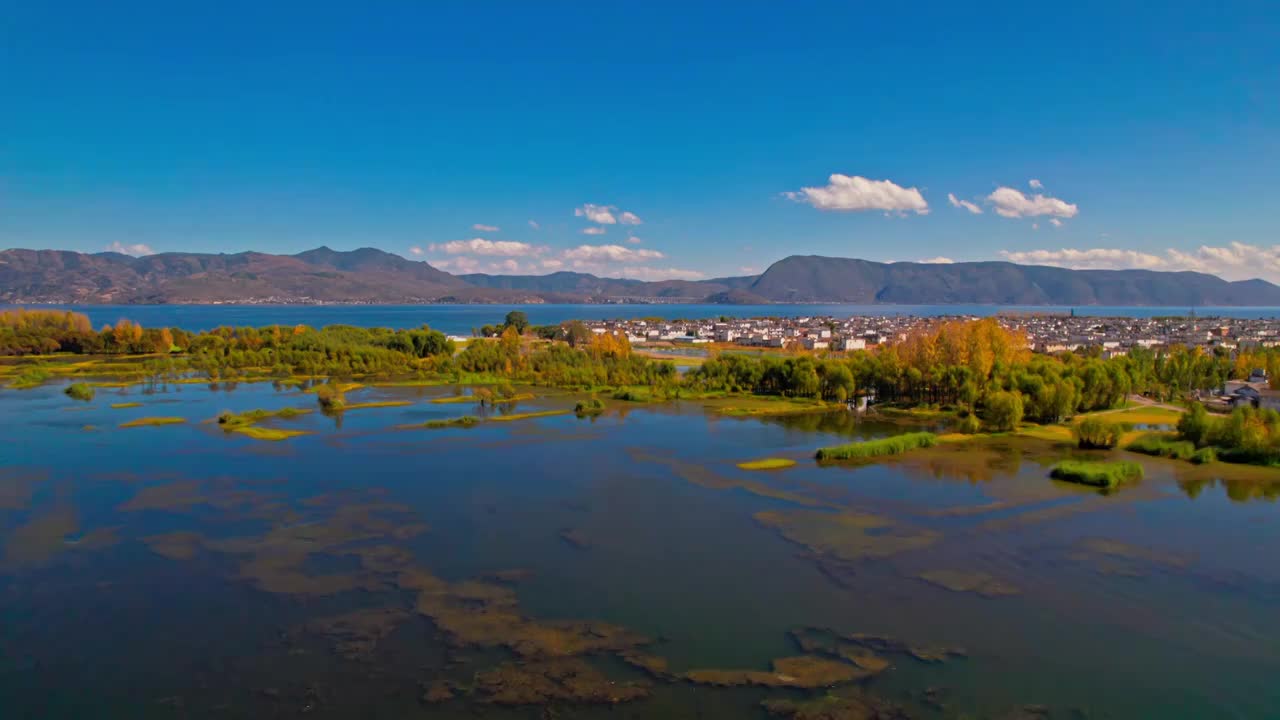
pixel 1107 337
pixel 1048 333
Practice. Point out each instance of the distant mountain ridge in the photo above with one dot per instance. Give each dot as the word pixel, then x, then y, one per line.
pixel 369 275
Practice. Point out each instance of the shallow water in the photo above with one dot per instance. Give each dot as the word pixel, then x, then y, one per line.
pixel 1159 600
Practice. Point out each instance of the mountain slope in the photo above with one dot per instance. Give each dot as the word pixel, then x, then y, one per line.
pixel 373 276
pixel 825 279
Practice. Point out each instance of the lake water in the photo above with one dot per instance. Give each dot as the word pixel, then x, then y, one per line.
pixel 461 319
pixel 182 572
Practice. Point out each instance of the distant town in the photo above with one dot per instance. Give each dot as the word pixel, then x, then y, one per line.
pixel 1047 333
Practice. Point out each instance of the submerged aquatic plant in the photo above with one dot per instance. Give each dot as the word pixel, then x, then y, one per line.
pixel 1105 475
pixel 895 445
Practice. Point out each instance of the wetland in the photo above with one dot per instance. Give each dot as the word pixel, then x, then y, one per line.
pixel 231 542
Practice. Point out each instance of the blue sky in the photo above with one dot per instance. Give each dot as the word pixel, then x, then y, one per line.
pixel 279 127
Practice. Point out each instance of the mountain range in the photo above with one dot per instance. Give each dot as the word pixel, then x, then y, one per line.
pixel 369 275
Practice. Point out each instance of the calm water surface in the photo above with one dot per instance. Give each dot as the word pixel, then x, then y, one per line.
pixel 179 571
pixel 461 319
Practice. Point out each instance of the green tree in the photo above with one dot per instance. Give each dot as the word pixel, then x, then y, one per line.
pixel 518 320
pixel 1004 410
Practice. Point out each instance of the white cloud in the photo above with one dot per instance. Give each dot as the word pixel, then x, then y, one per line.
pixel 856 193
pixel 653 274
pixel 957 202
pixel 1055 222
pixel 629 218
pixel 593 230
pixel 1012 203
pixel 458 264
pixel 480 246
pixel 479 227
pixel 1236 261
pixel 747 270
pixel 1035 184
pixel 600 214
pixel 509 265
pixel 415 250
pixel 939 260
pixel 552 264
pixel 136 250
pixel 534 224
pixel 588 254
pixel 634 240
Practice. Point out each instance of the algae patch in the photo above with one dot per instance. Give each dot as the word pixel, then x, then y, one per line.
pixel 848 536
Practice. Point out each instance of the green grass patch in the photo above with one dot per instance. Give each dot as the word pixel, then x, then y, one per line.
pixel 1163 445
pixel 231 421
pixel 123 405
pixel 456 399
pixel 1106 475
pixel 1142 415
pixel 147 421
pixel 270 434
pixel 767 464
pixel 377 404
pixel 513 398
pixel 80 391
pixel 29 378
pixel 755 406
pixel 896 445
pixel 465 421
pixel 527 416
pixel 335 387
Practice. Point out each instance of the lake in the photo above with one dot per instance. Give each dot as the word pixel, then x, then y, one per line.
pixel 462 319
pixel 557 566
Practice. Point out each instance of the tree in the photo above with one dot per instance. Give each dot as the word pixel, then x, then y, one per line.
pixel 518 320
pixel 578 334
pixel 1194 425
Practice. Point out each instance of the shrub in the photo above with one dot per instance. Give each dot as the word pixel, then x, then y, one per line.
pixel 80 391
pixel 1094 433
pixel 330 398
pixel 1204 456
pixel 1105 475
pixel 895 445
pixel 593 406
pixel 969 424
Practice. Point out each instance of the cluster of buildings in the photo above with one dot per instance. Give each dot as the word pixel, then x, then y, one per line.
pixel 811 333
pixel 1118 335
pixel 1047 333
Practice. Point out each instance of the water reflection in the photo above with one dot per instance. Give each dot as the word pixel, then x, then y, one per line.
pixel 565 566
